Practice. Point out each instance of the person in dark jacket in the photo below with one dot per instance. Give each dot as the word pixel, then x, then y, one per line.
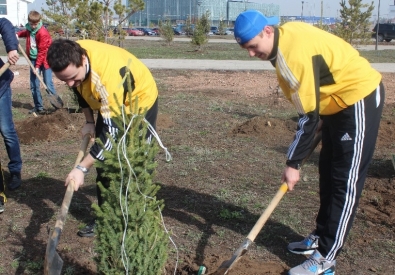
pixel 7 128
pixel 38 41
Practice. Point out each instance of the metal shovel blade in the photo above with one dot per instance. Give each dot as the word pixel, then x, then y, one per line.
pixel 53 263
pixel 55 100
pixel 227 265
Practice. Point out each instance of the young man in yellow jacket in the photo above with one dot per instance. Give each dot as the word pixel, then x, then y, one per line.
pixel 95 71
pixel 337 92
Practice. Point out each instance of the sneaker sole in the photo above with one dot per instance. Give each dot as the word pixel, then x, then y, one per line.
pixel 329 271
pixel 325 273
pixel 305 252
pixel 86 235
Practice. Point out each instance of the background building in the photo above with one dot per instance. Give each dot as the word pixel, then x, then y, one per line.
pixel 179 10
pixel 391 15
pixel 15 11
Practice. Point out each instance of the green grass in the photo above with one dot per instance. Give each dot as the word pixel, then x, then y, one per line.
pixel 144 49
pixel 151 49
pixel 383 56
pixel 185 50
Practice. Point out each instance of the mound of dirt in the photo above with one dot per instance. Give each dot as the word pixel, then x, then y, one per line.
pixel 58 125
pixel 265 128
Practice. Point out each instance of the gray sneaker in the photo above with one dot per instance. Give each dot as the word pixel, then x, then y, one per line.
pixel 1 207
pixel 316 264
pixel 305 247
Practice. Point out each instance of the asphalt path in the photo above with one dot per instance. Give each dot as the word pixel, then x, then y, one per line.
pixel 228 65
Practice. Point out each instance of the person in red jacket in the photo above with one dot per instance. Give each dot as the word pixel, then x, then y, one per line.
pixel 38 41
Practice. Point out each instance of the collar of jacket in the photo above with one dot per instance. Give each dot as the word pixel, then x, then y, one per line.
pixel 273 56
pixel 88 68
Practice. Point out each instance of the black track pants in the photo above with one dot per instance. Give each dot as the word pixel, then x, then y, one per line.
pixel 348 141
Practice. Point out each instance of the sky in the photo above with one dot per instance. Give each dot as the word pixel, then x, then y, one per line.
pixel 291 7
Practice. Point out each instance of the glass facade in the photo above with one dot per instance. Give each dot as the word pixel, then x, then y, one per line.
pixel 3 7
pixel 179 10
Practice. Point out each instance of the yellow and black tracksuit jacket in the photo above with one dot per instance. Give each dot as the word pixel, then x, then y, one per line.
pixel 320 74
pixel 105 87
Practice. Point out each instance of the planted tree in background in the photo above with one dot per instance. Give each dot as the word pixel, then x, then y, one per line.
pixel 355 25
pixel 221 27
pixel 166 31
pixel 92 16
pixel 130 236
pixel 125 11
pixel 189 28
pixel 202 28
pixel 60 16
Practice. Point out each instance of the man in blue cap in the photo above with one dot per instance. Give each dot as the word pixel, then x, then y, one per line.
pixel 337 92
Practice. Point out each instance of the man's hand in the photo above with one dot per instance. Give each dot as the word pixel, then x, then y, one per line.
pixel 77 176
pixel 290 176
pixel 13 57
pixel 37 71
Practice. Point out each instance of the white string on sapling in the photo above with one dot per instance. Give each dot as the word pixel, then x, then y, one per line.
pixel 122 151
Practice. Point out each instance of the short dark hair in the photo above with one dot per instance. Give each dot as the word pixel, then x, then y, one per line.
pixel 64 52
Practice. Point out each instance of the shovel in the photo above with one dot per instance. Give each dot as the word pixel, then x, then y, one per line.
pixel 227 265
pixel 4 68
pixel 53 263
pixel 55 100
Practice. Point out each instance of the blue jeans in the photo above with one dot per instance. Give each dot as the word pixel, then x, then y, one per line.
pixel 35 85
pixel 9 134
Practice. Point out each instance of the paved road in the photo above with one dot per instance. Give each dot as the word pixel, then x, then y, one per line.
pixel 227 65
pixel 231 65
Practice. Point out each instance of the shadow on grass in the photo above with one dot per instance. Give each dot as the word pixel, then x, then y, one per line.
pixel 35 193
pixel 183 204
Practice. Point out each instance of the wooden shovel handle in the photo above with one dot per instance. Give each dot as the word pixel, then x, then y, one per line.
pixel 268 211
pixel 31 66
pixel 70 187
pixel 81 153
pixel 280 193
pixel 4 68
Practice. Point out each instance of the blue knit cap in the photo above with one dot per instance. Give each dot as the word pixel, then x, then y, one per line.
pixel 250 23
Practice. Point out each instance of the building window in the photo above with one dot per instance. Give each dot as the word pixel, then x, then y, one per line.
pixel 3 7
